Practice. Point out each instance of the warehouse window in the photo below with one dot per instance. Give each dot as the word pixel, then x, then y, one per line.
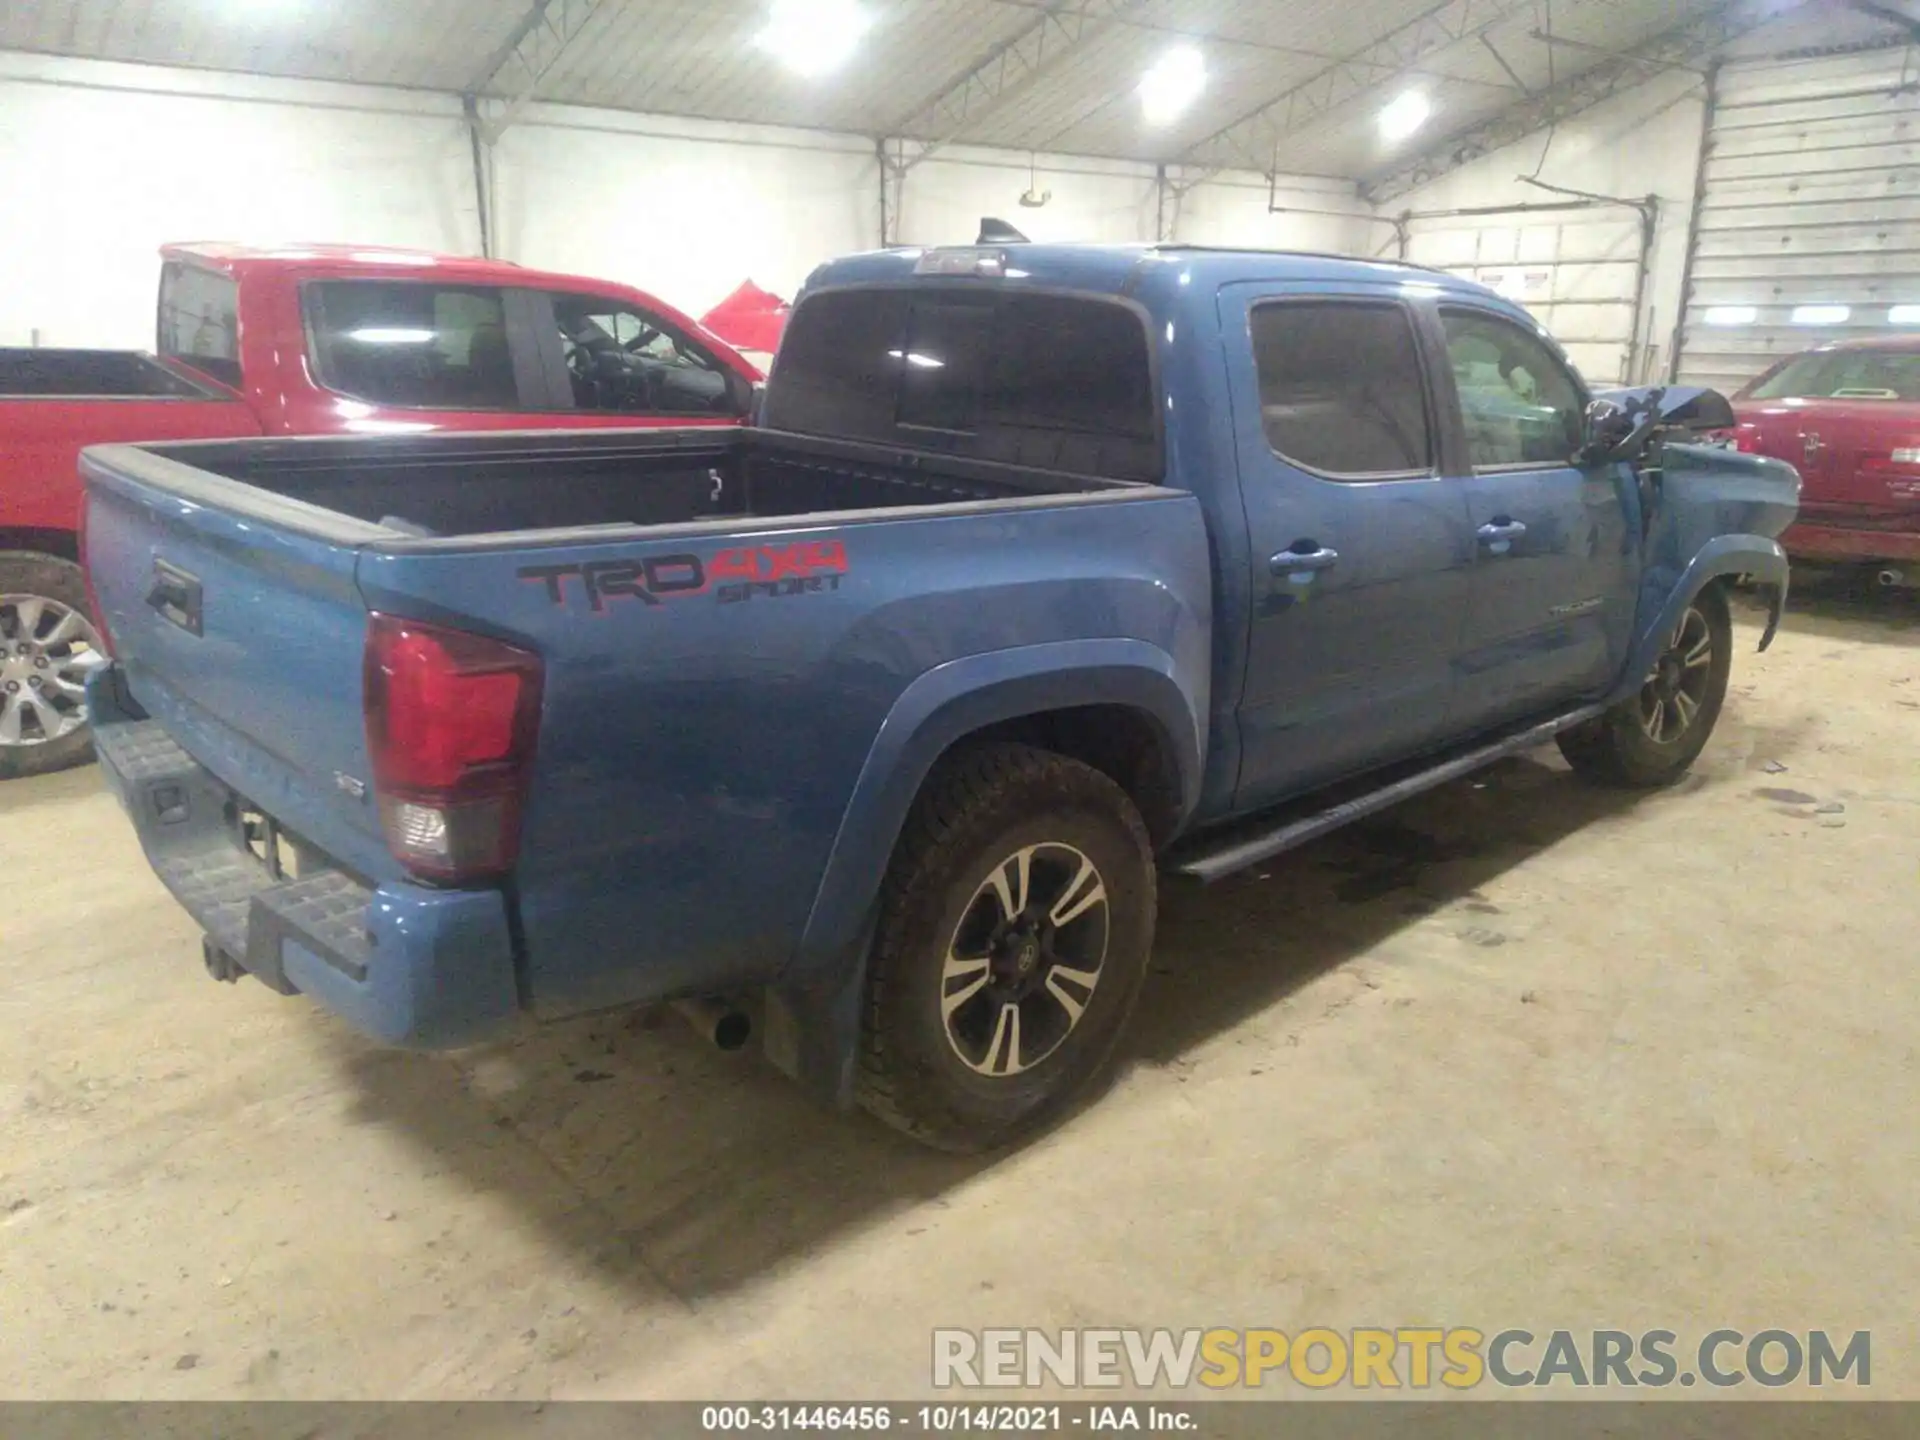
pixel 620 358
pixel 1050 381
pixel 200 321
pixel 1519 401
pixel 424 347
pixel 1341 391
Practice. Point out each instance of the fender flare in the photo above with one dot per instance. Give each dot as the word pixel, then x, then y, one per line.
pixel 1754 555
pixel 958 698
pixel 812 1020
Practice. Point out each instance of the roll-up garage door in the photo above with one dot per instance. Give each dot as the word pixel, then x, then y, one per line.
pixel 1576 268
pixel 1809 221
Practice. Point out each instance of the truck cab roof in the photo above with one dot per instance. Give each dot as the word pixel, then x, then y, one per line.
pixel 1121 268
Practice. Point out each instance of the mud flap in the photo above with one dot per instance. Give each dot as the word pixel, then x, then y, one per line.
pixel 811 1026
pixel 1776 606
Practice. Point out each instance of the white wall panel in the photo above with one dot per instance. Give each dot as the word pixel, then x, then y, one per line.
pixel 1576 271
pixel 101 163
pixel 1092 200
pixel 1240 209
pixel 684 209
pixel 1643 142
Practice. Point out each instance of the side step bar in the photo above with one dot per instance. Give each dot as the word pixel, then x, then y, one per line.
pixel 1235 848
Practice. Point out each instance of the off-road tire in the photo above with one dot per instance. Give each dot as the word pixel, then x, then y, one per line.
pixel 1616 748
pixel 23 572
pixel 979 807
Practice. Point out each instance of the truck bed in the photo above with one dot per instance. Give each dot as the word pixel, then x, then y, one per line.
pixel 729 626
pixel 441 487
pixel 91 374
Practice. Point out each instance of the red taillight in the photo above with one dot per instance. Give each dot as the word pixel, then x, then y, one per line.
pixel 86 579
pixel 451 724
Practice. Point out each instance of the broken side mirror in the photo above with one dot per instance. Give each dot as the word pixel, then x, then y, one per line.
pixel 1609 426
pixel 1620 424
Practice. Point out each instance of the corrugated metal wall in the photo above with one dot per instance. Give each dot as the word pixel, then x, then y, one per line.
pixel 1809 222
pixel 1578 272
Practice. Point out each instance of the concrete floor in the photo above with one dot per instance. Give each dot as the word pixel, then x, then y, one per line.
pixel 1522 1053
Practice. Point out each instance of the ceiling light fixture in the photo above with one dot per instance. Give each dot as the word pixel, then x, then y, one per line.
pixel 812 37
pixel 1404 114
pixel 1172 84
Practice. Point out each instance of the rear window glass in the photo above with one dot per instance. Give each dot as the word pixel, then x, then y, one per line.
pixel 1844 375
pixel 431 347
pixel 200 321
pixel 1054 382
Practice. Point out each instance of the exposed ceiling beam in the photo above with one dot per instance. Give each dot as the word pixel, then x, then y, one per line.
pixel 1255 137
pixel 1266 45
pixel 1897 18
pixel 515 71
pixel 1683 46
pixel 1002 75
pixel 1007 71
pixel 1606 52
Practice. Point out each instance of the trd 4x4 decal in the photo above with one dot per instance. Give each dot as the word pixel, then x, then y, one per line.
pixel 733 575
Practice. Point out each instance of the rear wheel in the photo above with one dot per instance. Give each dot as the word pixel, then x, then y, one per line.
pixel 1016 922
pixel 48 647
pixel 1651 737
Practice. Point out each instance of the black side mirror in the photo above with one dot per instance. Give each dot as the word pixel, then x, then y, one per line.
pixel 1622 423
pixel 1609 426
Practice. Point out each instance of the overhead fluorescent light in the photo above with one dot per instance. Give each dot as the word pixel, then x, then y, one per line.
pixel 1404 114
pixel 1903 315
pixel 1731 315
pixel 1172 84
pixel 812 37
pixel 1820 314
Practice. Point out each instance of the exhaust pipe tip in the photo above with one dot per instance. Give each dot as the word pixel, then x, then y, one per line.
pixel 1889 579
pixel 721 1025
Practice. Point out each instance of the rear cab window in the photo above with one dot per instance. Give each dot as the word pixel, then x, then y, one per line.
pixel 1057 382
pixel 199 321
pixel 412 345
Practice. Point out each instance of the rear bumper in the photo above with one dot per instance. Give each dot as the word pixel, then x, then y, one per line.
pixel 1813 541
pixel 403 963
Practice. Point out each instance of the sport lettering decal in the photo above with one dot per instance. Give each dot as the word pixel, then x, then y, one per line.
pixel 733 576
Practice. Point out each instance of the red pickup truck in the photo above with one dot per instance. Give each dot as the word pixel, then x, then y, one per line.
pixel 309 340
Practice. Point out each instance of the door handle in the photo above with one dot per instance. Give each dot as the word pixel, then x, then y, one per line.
pixel 175 594
pixel 1292 562
pixel 1501 532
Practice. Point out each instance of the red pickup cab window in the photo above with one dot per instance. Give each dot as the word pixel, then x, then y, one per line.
pixel 412 345
pixel 200 321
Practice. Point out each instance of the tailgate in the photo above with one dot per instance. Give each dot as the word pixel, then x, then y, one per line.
pixel 234 616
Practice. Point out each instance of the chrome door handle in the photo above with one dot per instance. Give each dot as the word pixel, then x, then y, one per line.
pixel 1499 532
pixel 1289 562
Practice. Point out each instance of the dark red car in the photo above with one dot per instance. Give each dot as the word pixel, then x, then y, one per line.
pixel 1847 416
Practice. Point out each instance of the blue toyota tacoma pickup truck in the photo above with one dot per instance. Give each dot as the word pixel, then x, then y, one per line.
pixel 1044 569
